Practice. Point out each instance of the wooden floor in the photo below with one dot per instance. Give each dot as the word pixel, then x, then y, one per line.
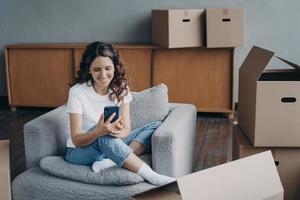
pixel 11 128
pixel 214 141
pixel 213 146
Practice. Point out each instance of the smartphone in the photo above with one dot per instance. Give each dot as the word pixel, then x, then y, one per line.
pixel 109 110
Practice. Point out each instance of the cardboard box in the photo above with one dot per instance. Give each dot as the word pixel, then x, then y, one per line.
pixel 5 191
pixel 178 28
pixel 254 177
pixel 286 159
pixel 225 27
pixel 269 101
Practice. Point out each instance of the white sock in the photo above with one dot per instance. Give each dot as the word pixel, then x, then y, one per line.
pixel 156 179
pixel 102 164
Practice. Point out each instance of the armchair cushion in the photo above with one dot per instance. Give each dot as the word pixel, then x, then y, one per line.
pixel 57 166
pixel 149 105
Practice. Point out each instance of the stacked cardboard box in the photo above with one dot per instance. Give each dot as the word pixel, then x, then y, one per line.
pixel 224 27
pixel 215 28
pixel 269 116
pixel 5 192
pixel 178 28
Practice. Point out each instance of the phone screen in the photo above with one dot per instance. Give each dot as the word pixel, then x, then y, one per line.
pixel 109 110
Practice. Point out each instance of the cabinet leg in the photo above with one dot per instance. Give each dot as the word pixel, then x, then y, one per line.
pixel 13 108
pixel 231 116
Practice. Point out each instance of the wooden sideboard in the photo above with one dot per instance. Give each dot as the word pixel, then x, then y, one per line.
pixel 38 75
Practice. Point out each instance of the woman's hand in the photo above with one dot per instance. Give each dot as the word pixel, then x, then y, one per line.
pixel 104 128
pixel 119 129
pixel 122 126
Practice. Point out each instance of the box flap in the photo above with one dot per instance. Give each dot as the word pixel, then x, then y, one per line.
pixel 255 62
pixel 297 67
pixel 253 177
pixel 157 194
pixel 170 189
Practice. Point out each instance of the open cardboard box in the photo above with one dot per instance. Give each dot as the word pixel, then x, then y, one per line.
pixel 5 191
pixel 269 101
pixel 287 161
pixel 254 177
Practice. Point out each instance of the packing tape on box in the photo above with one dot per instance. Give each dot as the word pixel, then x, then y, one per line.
pixel 225 11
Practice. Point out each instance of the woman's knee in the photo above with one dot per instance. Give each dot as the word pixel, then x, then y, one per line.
pixel 109 140
pixel 114 149
pixel 154 125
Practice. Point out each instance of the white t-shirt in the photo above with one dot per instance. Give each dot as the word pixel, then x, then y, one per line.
pixel 84 100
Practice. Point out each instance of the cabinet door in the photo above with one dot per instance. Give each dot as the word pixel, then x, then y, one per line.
pixel 138 66
pixel 199 76
pixel 39 77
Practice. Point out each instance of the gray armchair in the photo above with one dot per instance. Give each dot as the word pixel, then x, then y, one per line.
pixel 172 154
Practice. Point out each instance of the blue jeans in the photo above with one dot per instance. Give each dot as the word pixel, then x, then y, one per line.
pixel 111 147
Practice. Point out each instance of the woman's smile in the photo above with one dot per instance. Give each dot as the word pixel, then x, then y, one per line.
pixel 102 79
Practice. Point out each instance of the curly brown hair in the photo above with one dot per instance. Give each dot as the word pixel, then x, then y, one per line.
pixel 119 83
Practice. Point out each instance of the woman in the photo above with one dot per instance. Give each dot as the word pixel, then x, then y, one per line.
pixel 101 82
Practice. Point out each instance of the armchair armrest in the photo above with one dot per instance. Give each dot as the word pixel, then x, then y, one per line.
pixel 45 136
pixel 174 141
